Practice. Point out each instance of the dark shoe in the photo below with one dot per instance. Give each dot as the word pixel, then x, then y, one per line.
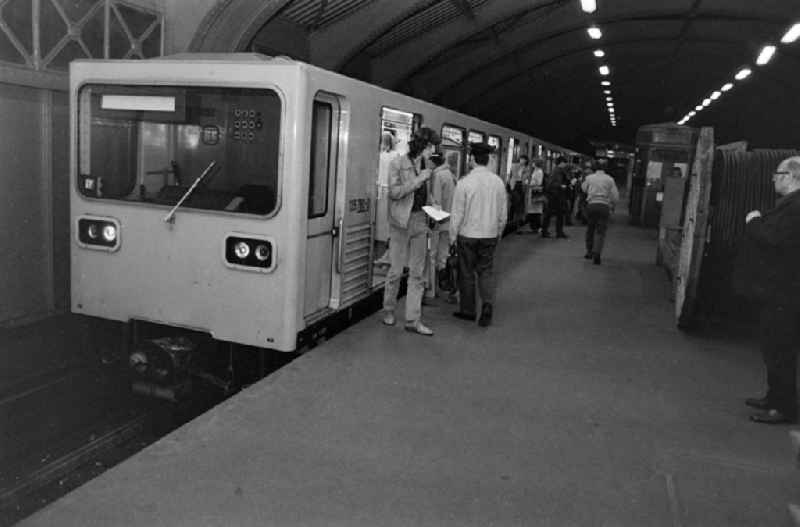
pixel 772 417
pixel 486 315
pixel 588 256
pixel 562 235
pixel 419 328
pixel 464 316
pixel 761 403
pixel 596 259
pixel 546 235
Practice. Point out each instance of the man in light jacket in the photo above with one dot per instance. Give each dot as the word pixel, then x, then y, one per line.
pixel 476 225
pixel 601 196
pixel 409 191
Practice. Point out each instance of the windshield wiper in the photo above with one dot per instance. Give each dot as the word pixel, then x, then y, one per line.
pixel 170 218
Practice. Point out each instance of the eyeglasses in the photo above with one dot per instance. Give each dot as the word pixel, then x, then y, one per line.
pixel 780 173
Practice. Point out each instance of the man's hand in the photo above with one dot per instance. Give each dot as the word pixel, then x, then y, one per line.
pixel 752 215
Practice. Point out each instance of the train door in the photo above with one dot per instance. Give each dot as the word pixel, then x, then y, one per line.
pixel 494 157
pixel 322 230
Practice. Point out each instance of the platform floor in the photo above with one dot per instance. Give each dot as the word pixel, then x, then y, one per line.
pixel 581 406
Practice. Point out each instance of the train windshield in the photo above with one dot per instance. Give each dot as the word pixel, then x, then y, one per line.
pixel 149 144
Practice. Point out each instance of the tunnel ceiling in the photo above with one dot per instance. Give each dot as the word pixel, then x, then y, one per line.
pixel 529 64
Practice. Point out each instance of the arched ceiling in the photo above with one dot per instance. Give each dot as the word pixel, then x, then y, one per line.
pixel 528 64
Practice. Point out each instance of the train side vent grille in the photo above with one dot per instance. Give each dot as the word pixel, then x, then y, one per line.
pixel 356 262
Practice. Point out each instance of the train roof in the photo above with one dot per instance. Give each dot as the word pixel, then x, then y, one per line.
pixel 258 58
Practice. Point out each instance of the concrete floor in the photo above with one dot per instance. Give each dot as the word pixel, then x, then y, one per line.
pixel 581 406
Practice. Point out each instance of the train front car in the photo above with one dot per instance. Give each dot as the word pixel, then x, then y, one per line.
pixel 186 208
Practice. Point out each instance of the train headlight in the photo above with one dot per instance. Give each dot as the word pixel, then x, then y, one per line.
pixel 109 233
pixel 250 252
pixel 98 233
pixel 242 250
pixel 262 252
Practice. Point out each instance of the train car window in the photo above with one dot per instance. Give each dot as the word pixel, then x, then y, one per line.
pixel 149 144
pixel 452 148
pixel 321 136
pixel 494 157
pixel 400 124
pixel 476 137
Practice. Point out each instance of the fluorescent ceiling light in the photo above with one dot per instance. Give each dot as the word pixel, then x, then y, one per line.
pixel 706 102
pixel 595 33
pixel 699 108
pixel 599 53
pixel 716 95
pixel 606 83
pixel 743 74
pixel 609 99
pixel 589 6
pixel 791 35
pixel 604 70
pixel 607 92
pixel 727 87
pixel 766 55
pixel 692 113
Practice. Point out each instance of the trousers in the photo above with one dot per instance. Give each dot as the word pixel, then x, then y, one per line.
pixel 475 257
pixel 407 246
pixel 555 207
pixel 597 215
pixel 779 340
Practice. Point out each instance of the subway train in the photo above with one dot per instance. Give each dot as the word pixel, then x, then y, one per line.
pixel 235 195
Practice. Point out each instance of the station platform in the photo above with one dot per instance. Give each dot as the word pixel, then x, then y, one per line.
pixel 582 405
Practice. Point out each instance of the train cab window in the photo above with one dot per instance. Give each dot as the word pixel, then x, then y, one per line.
pixel 321 134
pixel 150 144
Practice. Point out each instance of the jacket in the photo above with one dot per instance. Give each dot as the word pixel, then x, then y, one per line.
pixel 600 188
pixel 768 264
pixel 403 181
pixel 480 209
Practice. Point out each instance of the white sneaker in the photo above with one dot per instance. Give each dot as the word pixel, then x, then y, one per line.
pixel 388 318
pixel 419 327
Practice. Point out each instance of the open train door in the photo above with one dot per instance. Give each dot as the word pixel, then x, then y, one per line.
pixel 690 258
pixel 322 228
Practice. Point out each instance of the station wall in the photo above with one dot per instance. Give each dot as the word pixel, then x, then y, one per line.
pixel 38 39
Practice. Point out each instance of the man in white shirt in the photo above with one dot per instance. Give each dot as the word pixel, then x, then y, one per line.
pixel 476 224
pixel 601 196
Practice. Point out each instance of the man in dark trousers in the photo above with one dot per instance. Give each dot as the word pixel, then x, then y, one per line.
pixel 477 221
pixel 773 279
pixel 556 189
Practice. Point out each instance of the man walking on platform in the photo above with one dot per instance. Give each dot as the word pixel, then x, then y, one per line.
pixel 601 196
pixel 772 278
pixel 556 190
pixel 476 225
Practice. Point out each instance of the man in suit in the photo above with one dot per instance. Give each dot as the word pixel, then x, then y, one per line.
pixel 556 189
pixel 774 281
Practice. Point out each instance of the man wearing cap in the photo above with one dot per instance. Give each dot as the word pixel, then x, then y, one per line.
pixel 476 224
pixel 408 228
pixel 773 280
